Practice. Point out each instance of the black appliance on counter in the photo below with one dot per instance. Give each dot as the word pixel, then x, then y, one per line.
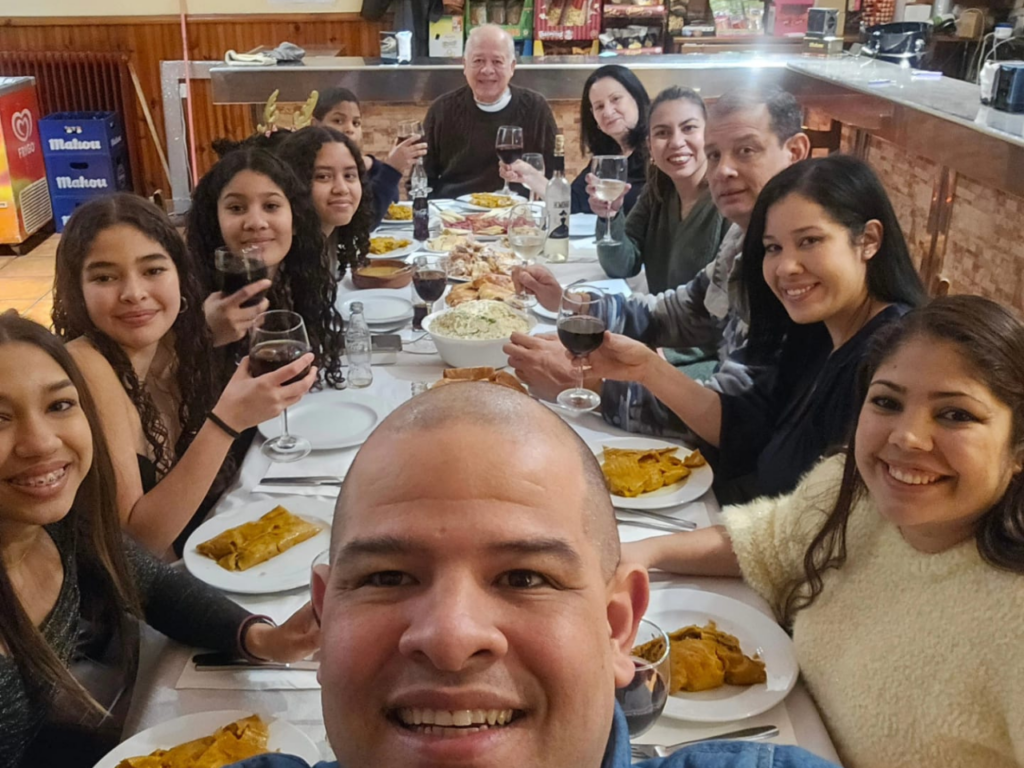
pixel 899 42
pixel 1009 87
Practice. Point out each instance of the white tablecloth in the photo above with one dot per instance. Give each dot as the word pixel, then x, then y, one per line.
pixel 157 699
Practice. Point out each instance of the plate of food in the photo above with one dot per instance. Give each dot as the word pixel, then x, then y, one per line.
pixel 381 306
pixel 487 287
pixel 398 214
pixel 489 225
pixel 472 260
pixel 210 740
pixel 730 661
pixel 386 247
pixel 265 548
pixel 485 374
pixel 645 473
pixel 488 201
pixel 333 419
pixel 443 244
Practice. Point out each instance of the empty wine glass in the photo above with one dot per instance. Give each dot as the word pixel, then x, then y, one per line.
pixel 644 698
pixel 611 174
pixel 509 144
pixel 526 236
pixel 277 338
pixel 582 321
pixel 535 159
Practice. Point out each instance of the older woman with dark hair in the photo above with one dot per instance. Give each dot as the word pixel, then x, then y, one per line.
pixel 73 588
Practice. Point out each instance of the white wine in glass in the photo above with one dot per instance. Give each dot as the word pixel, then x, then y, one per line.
pixel 610 171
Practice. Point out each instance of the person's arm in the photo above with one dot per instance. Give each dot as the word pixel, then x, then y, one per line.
pixel 156 518
pixel 383 182
pixel 707 552
pixel 187 610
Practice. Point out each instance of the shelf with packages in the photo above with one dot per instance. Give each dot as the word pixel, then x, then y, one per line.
pixel 633 28
pixel 620 11
pixel 744 43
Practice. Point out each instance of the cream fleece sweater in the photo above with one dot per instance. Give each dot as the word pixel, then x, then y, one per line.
pixel 915 660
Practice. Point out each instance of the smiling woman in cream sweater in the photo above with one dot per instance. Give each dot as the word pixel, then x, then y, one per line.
pixel 900 566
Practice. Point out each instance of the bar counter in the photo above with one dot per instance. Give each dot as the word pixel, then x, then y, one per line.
pixel 954 168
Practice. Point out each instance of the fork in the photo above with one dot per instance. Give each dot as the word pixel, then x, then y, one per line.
pixel 644 751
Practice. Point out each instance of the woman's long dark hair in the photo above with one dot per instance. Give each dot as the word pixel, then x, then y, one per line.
pixel 304 282
pixel 991 340
pixel 352 242
pixel 595 141
pixel 99 548
pixel 657 180
pixel 192 342
pixel 851 195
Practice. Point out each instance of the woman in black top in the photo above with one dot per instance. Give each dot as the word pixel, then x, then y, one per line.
pixel 613 121
pixel 825 265
pixel 72 588
pixel 129 305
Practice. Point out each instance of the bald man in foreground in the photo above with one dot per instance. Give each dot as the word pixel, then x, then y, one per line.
pixel 475 612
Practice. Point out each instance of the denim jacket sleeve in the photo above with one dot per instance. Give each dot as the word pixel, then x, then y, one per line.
pixel 738 754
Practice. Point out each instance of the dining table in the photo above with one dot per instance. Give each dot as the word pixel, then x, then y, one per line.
pixel 169 686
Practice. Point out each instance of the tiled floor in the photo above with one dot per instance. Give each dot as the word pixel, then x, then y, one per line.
pixel 26 282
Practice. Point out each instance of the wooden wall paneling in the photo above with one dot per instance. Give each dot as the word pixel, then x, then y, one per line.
pixel 149 40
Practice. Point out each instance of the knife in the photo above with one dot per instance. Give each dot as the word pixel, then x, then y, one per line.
pixel 677 521
pixel 652 524
pixel 303 480
pixel 219 662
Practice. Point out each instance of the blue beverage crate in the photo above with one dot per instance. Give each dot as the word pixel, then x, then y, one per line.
pixel 63 207
pixel 89 175
pixel 81 133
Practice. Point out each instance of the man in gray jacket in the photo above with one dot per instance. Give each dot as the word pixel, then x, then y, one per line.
pixel 750 137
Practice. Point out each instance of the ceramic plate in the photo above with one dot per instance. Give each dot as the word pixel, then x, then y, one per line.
pixel 398 222
pixel 284 737
pixel 690 489
pixel 381 306
pixel 673 608
pixel 332 419
pixel 396 253
pixel 465 200
pixel 289 570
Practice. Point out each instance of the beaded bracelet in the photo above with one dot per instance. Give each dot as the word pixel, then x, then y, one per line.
pixel 243 628
pixel 219 422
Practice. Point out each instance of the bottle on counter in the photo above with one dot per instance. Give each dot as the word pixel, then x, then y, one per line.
pixel 558 201
pixel 358 348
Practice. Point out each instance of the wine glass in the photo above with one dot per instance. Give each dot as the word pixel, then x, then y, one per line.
pixel 582 321
pixel 277 338
pixel 406 130
pixel 429 278
pixel 509 144
pixel 526 235
pixel 237 270
pixel 643 699
pixel 319 569
pixel 610 171
pixel 535 159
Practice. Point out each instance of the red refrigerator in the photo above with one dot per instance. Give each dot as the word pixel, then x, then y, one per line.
pixel 24 196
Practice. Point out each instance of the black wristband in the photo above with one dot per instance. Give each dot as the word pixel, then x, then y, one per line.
pixel 219 422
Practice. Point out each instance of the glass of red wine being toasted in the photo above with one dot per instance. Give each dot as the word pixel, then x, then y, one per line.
pixel 429 278
pixel 235 270
pixel 582 321
pixel 509 143
pixel 643 699
pixel 277 338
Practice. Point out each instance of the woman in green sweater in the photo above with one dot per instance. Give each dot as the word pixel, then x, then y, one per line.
pixel 674 230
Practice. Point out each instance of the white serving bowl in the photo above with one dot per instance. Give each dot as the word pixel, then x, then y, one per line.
pixel 470 353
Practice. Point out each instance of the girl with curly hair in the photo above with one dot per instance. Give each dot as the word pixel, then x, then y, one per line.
pixel 129 304
pixel 251 197
pixel 331 166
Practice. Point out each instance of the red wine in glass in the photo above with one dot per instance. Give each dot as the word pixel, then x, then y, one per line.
pixel 581 334
pixel 234 272
pixel 643 700
pixel 269 356
pixel 510 153
pixel 429 284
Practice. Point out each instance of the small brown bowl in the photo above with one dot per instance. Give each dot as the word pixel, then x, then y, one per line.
pixel 382 273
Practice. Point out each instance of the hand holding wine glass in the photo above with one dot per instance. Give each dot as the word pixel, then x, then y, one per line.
pixel 242 283
pixel 409 148
pixel 279 338
pixel 509 145
pixel 526 235
pixel 604 208
pixel 610 172
pixel 582 321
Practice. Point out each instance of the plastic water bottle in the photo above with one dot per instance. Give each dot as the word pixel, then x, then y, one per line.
pixel 357 348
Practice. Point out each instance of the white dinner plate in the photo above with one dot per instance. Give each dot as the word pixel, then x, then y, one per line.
pixel 689 489
pixel 332 419
pixel 289 570
pixel 673 608
pixel 381 306
pixel 284 737
pixel 395 253
pixel 539 310
pixel 465 200
pixel 398 222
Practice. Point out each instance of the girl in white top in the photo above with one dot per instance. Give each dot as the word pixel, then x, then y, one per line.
pixel 899 565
